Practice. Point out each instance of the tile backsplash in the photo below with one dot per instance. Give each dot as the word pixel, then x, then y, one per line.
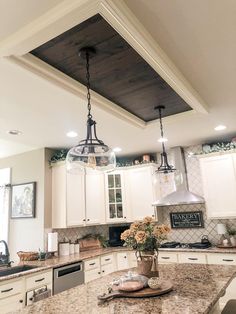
pixel 181 235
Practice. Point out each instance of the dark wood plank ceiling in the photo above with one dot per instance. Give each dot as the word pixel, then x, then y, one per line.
pixel 118 72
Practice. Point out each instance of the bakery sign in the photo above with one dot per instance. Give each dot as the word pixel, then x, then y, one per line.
pixel 186 220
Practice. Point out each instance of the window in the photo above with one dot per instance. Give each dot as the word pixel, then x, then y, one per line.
pixel 5 176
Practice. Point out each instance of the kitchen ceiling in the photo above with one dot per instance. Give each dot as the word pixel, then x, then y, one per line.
pixel 199 37
pixel 118 72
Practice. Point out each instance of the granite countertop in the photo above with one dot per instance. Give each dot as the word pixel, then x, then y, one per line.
pixel 65 260
pixel 196 289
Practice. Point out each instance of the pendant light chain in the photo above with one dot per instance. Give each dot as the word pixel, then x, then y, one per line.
pixel 161 127
pixel 88 85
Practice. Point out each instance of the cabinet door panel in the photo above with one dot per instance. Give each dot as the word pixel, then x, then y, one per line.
pixel 122 261
pixel 59 196
pixel 141 193
pixel 75 200
pixel 95 198
pixel 219 185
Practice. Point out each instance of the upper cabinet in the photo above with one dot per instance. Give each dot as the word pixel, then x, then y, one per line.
pixel 123 195
pixel 142 189
pixel 219 185
pixel 116 209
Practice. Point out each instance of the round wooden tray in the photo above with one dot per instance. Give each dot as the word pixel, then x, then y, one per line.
pixel 165 287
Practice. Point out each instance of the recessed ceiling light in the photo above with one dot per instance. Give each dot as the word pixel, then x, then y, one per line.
pixel 163 139
pixel 14 132
pixel 117 149
pixel 72 134
pixel 220 127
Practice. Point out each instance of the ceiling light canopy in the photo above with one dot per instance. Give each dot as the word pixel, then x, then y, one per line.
pixel 90 153
pixel 165 167
pixel 220 127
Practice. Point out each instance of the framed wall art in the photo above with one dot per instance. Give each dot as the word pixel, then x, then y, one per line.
pixel 23 200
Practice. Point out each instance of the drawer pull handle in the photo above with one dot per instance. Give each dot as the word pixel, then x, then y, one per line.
pixel 21 301
pixel 91 264
pixel 165 257
pixel 38 280
pixel 7 290
pixel 193 259
pixel 227 260
pixel 107 259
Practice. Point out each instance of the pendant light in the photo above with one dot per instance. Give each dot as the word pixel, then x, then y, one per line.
pixel 165 167
pixel 90 153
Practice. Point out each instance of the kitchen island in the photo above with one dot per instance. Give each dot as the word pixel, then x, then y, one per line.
pixel 196 290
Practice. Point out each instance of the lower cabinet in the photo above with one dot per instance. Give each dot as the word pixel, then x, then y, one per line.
pixel 94 268
pixel 13 293
pixel 122 260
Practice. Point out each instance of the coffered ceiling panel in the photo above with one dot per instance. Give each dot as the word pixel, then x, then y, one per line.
pixel 118 72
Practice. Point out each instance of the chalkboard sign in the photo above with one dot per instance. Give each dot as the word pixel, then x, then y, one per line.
pixel 186 220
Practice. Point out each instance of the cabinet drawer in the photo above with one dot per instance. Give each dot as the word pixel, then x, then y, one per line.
pixel 221 259
pixel 38 280
pixel 92 264
pixel 106 259
pixel 193 258
pixel 12 303
pixel 11 287
pixel 92 275
pixel 166 257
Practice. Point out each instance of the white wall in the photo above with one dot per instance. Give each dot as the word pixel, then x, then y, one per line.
pixel 27 233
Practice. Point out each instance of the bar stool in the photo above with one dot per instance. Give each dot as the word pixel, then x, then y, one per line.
pixel 230 307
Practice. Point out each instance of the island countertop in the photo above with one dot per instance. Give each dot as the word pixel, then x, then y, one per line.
pixel 196 290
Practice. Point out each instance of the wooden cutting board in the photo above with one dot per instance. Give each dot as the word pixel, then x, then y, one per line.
pixel 165 287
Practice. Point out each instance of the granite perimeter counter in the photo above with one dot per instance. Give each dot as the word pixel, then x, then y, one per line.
pixel 196 290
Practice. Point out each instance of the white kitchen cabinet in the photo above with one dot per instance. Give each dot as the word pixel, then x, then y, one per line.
pixel 219 185
pixel 68 198
pixel 98 267
pixel 221 259
pixel 11 304
pixel 95 197
pixel 122 260
pixel 142 189
pixel 116 209
pixel 59 196
pixel 75 199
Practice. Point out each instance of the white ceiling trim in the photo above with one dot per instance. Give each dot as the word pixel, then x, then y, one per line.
pixel 68 14
pixel 44 70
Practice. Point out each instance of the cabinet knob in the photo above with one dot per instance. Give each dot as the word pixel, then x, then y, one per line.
pixel 125 217
pixel 103 271
pixel 21 301
pixel 88 219
pixel 125 256
pixel 84 219
pixel 99 273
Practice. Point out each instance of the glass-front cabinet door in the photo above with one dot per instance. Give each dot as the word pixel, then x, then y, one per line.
pixel 115 197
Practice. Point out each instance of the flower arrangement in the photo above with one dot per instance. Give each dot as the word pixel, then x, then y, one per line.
pixel 145 235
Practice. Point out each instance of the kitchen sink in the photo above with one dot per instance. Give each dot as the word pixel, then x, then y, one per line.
pixel 14 270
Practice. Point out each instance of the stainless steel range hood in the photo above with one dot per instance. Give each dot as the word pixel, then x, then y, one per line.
pixel 182 195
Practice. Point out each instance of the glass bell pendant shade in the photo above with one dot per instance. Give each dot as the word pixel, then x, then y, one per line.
pixel 89 157
pixel 90 154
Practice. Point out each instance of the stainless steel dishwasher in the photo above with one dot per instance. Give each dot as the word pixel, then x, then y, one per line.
pixel 67 277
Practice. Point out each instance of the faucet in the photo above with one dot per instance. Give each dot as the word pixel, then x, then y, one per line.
pixel 5 258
